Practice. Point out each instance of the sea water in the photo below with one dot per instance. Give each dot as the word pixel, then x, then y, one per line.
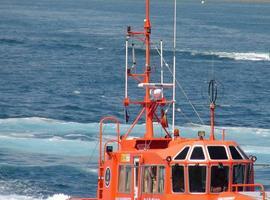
pixel 62 69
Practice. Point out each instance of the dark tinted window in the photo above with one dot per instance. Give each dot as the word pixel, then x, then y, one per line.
pixel 197 154
pixel 219 178
pixel 249 176
pixel 178 181
pixel 239 175
pixel 242 152
pixel 197 178
pixel 217 153
pixel 183 154
pixel 235 154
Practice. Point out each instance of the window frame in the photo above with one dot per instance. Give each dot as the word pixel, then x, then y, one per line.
pixel 131 178
pixel 206 179
pixel 191 151
pixel 237 151
pixel 142 167
pixel 242 153
pixel 225 147
pixel 185 178
pixel 187 156
pixel 210 179
pixel 245 172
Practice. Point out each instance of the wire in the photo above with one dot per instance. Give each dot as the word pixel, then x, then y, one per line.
pixel 184 115
pixel 182 89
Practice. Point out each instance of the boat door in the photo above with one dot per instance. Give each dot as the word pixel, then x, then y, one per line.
pixel 129 178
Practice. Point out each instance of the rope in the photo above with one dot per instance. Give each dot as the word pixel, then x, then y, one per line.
pixel 181 88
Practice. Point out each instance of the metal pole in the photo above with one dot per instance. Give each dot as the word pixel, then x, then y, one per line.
pixel 148 115
pixel 161 65
pixel 126 75
pixel 174 63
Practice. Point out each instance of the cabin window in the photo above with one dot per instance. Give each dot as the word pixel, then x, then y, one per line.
pixel 235 154
pixel 178 180
pixel 217 153
pixel 219 178
pixel 197 154
pixel 161 179
pixel 153 179
pixel 183 154
pixel 124 179
pixel 197 179
pixel 239 175
pixel 249 176
pixel 242 152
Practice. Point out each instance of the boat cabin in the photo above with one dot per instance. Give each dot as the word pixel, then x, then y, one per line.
pixel 166 168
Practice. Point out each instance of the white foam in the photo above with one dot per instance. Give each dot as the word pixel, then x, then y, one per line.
pixel 76 92
pixel 58 197
pixel 251 56
pixel 20 197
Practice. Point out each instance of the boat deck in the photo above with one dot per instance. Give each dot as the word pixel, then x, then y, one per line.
pixel 257 195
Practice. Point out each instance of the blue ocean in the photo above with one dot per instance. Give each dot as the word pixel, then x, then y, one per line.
pixel 62 69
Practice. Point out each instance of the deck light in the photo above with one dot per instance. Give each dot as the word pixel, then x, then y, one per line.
pixel 176 132
pixel 109 149
pixel 169 159
pixel 253 158
pixel 201 134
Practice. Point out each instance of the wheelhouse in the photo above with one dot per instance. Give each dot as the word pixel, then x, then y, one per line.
pixel 181 167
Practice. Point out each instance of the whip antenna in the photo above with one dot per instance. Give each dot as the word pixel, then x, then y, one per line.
pixel 174 63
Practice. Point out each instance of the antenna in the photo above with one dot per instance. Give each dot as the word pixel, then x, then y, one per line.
pixel 174 63
pixel 212 93
pixel 161 65
pixel 126 71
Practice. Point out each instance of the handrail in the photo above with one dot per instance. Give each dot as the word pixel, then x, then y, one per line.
pixel 236 186
pixel 109 118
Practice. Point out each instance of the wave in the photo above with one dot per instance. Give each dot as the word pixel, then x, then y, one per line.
pixel 249 56
pixel 220 55
pixel 20 197
pixel 63 138
pixel 46 128
pixel 217 55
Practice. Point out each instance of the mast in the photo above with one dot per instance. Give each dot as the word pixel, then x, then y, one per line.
pixel 147 31
pixel 153 97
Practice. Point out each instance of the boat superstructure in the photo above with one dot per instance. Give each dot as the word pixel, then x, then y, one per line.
pixel 169 167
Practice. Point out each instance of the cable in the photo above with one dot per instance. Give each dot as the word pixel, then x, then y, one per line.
pixel 180 86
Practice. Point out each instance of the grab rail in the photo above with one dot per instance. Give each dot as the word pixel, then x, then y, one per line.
pixel 236 186
pixel 109 118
